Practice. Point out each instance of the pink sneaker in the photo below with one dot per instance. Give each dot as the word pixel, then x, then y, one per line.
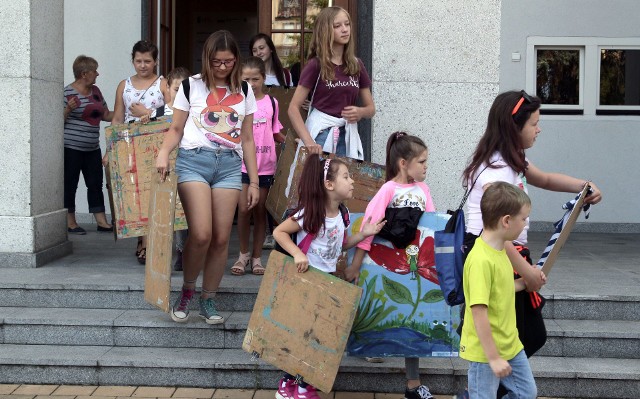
pixel 311 393
pixel 286 389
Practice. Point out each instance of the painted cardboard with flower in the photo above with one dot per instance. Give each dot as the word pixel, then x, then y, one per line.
pixel 402 312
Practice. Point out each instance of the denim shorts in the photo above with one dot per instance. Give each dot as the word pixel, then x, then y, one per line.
pixel 264 181
pixel 219 168
pixel 341 147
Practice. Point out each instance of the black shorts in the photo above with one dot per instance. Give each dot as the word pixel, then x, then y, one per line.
pixel 264 181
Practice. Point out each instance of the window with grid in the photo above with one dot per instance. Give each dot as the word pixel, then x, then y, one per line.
pixel 585 75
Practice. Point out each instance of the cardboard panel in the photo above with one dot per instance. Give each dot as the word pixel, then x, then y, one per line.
pixel 566 230
pixel 301 321
pixel 368 178
pixel 402 312
pixel 107 174
pixel 162 206
pixel 134 148
pixel 277 201
pixel 283 95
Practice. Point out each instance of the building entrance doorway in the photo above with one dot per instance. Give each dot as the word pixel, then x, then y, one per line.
pixel 181 27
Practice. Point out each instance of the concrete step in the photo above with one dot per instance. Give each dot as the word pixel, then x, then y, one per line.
pixel 152 328
pixel 234 294
pixel 239 294
pixel 233 368
pixel 120 328
pixel 591 307
pixel 592 338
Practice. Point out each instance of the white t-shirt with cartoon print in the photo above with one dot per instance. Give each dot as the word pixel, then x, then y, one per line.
pixel 213 123
pixel 491 175
pixel 327 246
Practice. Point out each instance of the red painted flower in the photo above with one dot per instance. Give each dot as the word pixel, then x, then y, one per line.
pixel 397 261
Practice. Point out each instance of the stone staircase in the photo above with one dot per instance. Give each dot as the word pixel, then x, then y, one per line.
pixel 83 321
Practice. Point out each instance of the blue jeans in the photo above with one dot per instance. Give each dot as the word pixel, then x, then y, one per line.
pixel 520 384
pixel 341 148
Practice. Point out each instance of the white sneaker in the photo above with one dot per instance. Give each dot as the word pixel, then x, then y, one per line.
pixel 269 242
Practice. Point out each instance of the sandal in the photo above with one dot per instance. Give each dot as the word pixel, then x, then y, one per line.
pixel 239 267
pixel 142 256
pixel 256 267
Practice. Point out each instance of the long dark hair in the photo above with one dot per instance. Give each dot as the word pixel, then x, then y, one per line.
pixel 503 132
pixel 401 145
pixel 276 64
pixel 221 40
pixel 312 195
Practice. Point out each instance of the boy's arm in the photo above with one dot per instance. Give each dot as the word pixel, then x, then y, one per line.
pixel 499 366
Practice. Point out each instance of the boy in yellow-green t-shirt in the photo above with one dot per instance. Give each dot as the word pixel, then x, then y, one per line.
pixel 489 336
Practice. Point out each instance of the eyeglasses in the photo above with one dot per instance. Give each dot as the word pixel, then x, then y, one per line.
pixel 525 97
pixel 227 63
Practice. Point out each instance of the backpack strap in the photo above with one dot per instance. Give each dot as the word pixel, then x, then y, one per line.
pixel 273 106
pixel 306 241
pixel 287 77
pixel 245 87
pixel 186 86
pixel 344 211
pixel 468 192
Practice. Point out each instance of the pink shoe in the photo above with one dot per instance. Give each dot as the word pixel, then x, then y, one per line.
pixel 311 393
pixel 286 389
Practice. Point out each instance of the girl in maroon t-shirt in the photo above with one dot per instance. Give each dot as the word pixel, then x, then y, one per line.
pixel 337 79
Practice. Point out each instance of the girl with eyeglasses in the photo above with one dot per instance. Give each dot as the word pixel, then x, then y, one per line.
pixel 336 79
pixel 512 128
pixel 212 123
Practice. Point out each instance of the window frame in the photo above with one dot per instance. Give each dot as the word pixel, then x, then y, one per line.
pixel 558 108
pixel 265 19
pixel 614 109
pixel 589 72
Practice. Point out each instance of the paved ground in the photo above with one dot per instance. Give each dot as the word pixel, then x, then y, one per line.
pixel 9 391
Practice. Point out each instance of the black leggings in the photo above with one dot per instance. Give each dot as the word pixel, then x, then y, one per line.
pixel 90 164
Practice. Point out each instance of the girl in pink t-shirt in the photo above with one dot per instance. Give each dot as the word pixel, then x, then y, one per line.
pixel 404 193
pixel 266 132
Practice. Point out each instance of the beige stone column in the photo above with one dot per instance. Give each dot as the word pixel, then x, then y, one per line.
pixel 32 219
pixel 436 69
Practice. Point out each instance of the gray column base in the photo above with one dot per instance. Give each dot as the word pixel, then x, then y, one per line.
pixel 29 260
